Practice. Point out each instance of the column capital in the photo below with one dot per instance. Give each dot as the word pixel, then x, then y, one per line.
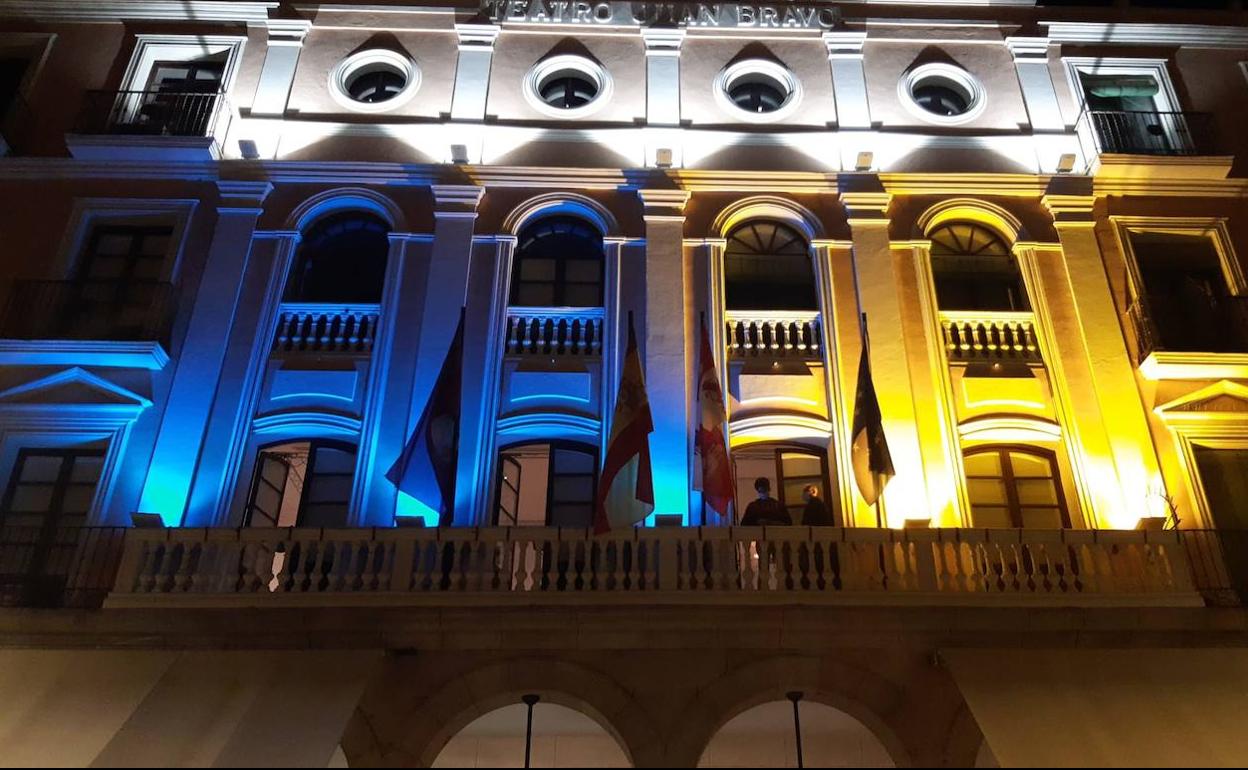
pixel 844 45
pixel 242 194
pixel 456 200
pixel 287 31
pixel 663 41
pixel 1070 209
pixel 477 36
pixel 864 198
pixel 1031 49
pixel 664 204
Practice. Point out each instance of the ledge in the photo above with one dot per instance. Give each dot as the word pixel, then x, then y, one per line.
pixel 1124 166
pixel 139 147
pixel 1195 366
pixel 133 355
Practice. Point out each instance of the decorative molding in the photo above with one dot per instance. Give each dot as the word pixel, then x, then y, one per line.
pixel 326 422
pixel 1220 397
pixel 767 207
pixel 117 395
pixel 777 427
pixel 844 45
pixel 1028 49
pixel 995 427
pixel 548 425
pixel 288 31
pixel 1116 33
pixel 477 36
pixel 456 200
pixel 131 355
pixel 243 194
pixel 664 204
pixel 576 205
pixel 1161 365
pixel 235 11
pixel 346 198
pixel 1070 209
pixel 663 41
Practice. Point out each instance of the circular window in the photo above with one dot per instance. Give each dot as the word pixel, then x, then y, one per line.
pixel 942 93
pixel 567 86
pixel 374 81
pixel 758 90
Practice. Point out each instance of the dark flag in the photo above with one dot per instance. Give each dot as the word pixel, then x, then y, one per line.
pixel 426 468
pixel 872 463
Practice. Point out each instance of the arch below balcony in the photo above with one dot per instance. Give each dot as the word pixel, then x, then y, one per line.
pixel 562 204
pixel 768 207
pixel 772 428
pixel 347 199
pixel 990 215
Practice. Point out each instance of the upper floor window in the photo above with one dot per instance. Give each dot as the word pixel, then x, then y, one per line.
pixel 757 90
pixel 196 76
pixel 548 484
pixel 342 258
pixel 52 486
pixel 374 80
pixel 789 469
pixel 974 269
pixel 1013 487
pixel 567 86
pixel 558 263
pixel 767 266
pixel 301 483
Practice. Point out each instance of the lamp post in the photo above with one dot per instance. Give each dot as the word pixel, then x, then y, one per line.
pixel 796 696
pixel 531 700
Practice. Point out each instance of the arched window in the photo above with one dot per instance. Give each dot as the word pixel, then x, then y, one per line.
pixel 1014 487
pixel 789 468
pixel 301 484
pixel 341 258
pixel 767 266
pixel 547 484
pixel 558 263
pixel 975 270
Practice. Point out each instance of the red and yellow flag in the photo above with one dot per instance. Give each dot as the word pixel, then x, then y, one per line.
pixel 714 474
pixel 626 486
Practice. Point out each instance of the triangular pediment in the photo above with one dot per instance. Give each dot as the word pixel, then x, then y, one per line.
pixel 72 386
pixel 1223 397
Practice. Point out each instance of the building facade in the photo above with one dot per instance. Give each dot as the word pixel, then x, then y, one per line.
pixel 238 238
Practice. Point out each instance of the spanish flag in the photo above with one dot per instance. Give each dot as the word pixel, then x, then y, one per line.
pixel 710 451
pixel 626 487
pixel 872 463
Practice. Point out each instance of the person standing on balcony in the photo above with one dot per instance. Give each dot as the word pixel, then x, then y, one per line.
pixel 815 514
pixel 766 509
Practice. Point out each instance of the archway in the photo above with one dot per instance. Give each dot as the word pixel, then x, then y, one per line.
pixel 764 736
pixel 562 737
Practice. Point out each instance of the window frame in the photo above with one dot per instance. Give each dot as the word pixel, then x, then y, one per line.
pixel 1013 506
pixel 90 213
pixel 778 448
pixel 309 476
pixel 552 445
pixel 559 281
pixel 149 50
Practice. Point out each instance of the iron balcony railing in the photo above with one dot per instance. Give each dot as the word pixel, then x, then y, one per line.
pixel 155 113
pixel 121 311
pixel 1196 324
pixel 1147 133
pixel 58 566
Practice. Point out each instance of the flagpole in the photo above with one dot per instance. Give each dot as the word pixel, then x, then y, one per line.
pixel 701 492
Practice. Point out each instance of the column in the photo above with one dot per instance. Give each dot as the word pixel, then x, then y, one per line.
pixel 1122 479
pixel 472 72
pixel 203 349
pixel 666 335
pixel 392 370
pixel 878 275
pixel 663 75
pixel 446 291
pixel 1031 60
pixel 278 73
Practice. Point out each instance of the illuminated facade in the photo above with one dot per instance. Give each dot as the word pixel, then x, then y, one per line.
pixel 237 237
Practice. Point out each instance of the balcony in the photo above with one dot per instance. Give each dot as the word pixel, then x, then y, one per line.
pixel 272 567
pixel 1203 337
pixel 139 125
pixel 320 328
pixel 88 323
pixel 1128 144
pixel 990 336
pixel 554 331
pixel 59 566
pixel 774 334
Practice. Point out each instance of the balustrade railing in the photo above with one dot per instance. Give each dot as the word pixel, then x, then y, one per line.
pixel 1189 323
pixel 571 331
pixel 774 333
pixel 990 336
pixel 326 328
pixel 949 566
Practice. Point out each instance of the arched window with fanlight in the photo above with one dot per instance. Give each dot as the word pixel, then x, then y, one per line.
pixel 767 266
pixel 558 263
pixel 341 258
pixel 974 269
pixel 1015 487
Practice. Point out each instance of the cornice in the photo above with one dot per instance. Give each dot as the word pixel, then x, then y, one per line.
pixel 1191 35
pixel 233 11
